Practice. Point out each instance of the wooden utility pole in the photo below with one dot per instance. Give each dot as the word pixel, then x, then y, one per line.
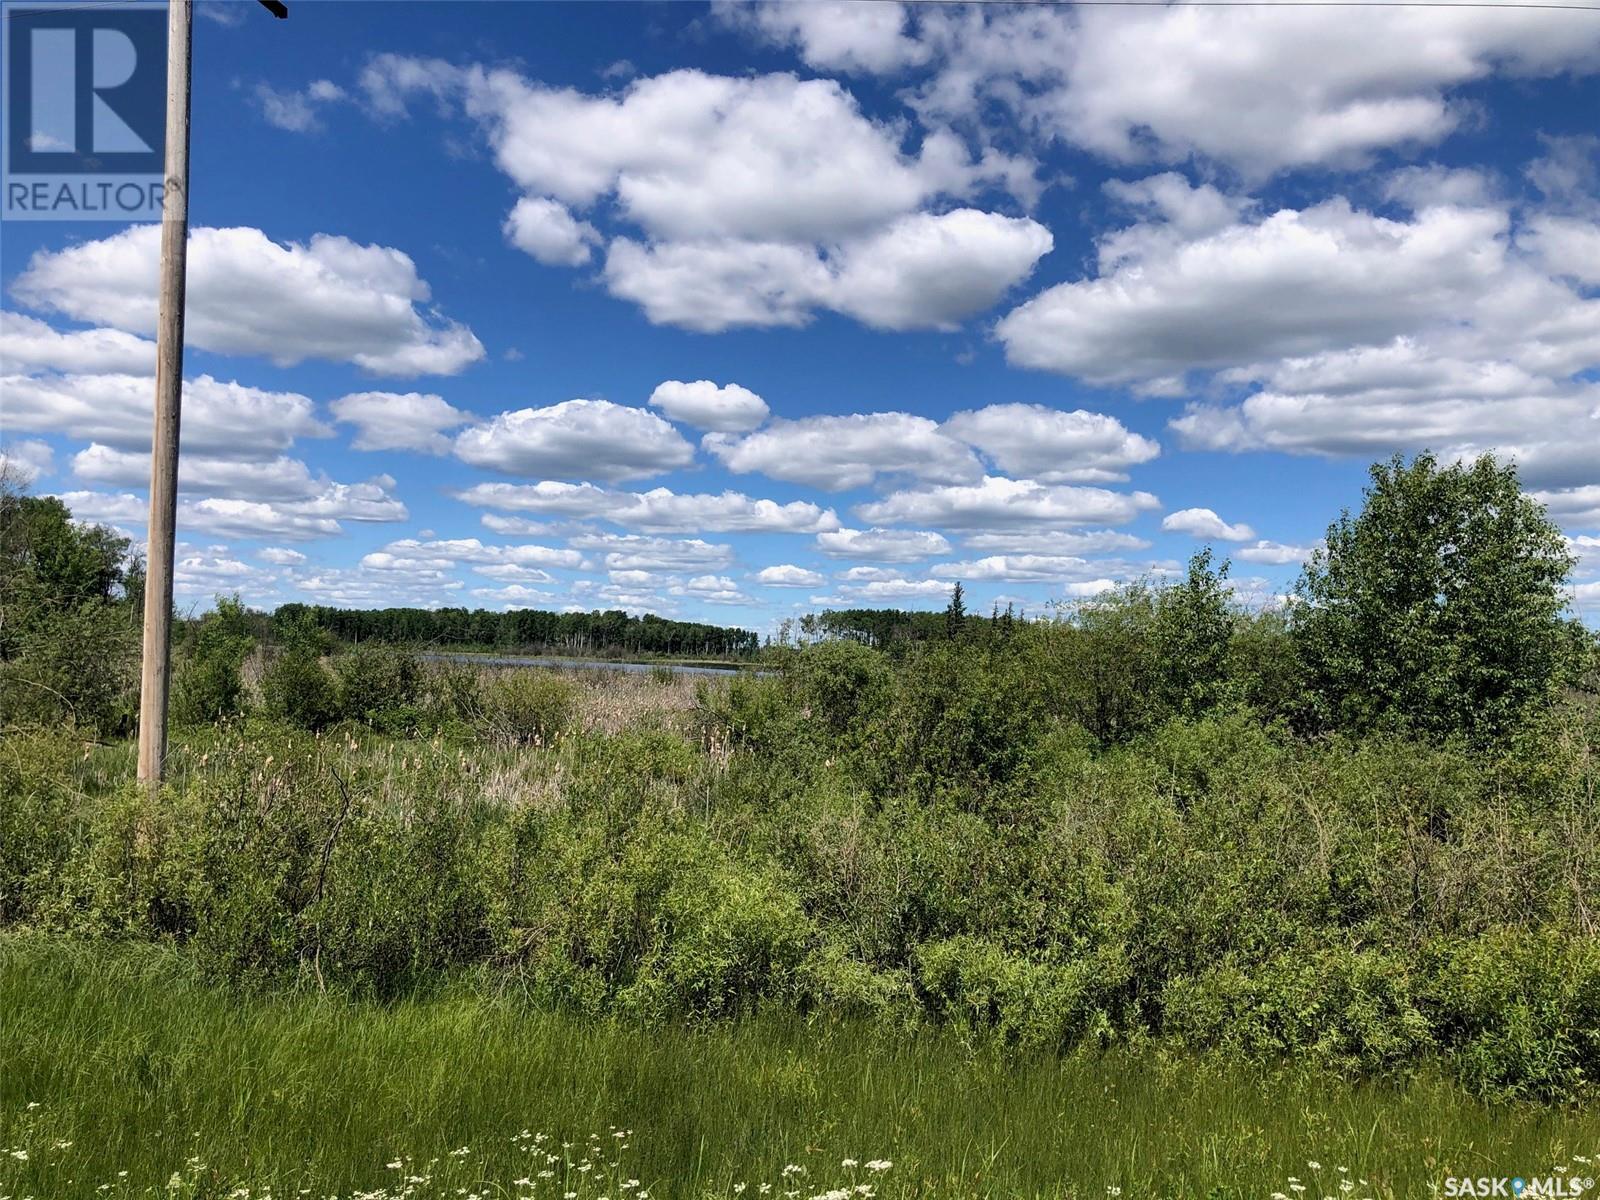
pixel 156 665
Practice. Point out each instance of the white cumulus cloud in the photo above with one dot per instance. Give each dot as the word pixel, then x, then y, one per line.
pixel 997 503
pixel 224 420
pixel 789 575
pixel 547 230
pixel 726 409
pixel 659 510
pixel 837 453
pixel 882 545
pixel 596 438
pixel 1203 523
pixel 1053 445
pixel 399 420
pixel 328 298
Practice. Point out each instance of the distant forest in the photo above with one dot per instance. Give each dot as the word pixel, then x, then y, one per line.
pixel 613 632
pixel 608 634
pixel 888 628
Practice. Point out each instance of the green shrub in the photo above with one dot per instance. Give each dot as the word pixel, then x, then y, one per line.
pixel 208 684
pixel 37 821
pixel 925 837
pixel 531 705
pixel 752 713
pixel 298 688
pixel 841 683
pixel 1347 1008
pixel 379 685
pixel 1519 1009
pixel 837 983
pixel 972 982
pixel 72 595
pixel 722 939
pixel 76 665
pixel 970 722
pixel 452 692
pixel 135 872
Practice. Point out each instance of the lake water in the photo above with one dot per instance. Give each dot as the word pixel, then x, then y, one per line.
pixel 583 664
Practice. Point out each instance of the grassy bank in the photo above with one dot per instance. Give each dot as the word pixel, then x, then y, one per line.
pixel 141 1068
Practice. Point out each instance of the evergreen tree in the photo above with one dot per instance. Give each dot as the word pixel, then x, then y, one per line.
pixel 955 615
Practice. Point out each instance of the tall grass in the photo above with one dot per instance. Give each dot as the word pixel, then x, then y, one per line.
pixel 139 1067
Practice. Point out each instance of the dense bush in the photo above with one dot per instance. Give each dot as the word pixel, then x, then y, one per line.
pixel 1438 607
pixel 1216 883
pixel 526 706
pixel 297 686
pixel 1155 817
pixel 209 681
pixel 69 627
pixel 380 685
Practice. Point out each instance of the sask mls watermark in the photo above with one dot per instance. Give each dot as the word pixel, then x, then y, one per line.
pixel 1559 1185
pixel 85 111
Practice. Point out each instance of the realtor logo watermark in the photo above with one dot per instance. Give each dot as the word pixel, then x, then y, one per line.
pixel 1559 1184
pixel 85 111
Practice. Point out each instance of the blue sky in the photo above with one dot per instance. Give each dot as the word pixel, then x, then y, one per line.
pixel 734 312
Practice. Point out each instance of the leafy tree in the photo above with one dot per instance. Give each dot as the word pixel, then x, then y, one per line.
pixel 841 683
pixel 67 631
pixel 210 682
pixel 1439 607
pixel 1192 629
pixel 613 632
pixel 1107 673
pixel 297 686
pixel 1264 671
pixel 49 564
pixel 378 683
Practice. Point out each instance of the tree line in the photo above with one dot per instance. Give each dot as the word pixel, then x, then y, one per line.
pixel 612 633
pixel 1437 609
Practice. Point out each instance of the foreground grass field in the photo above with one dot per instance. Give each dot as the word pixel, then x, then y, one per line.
pixel 124 1075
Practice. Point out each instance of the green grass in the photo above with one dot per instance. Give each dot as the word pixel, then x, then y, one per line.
pixel 140 1066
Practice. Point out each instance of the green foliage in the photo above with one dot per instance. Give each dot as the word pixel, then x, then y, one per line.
pixel 48 562
pixel 37 822
pixel 1438 607
pixel 955 613
pixel 841 684
pixel 1521 1010
pixel 1191 631
pixel 76 666
pixel 1353 1009
pixel 1096 830
pixel 948 852
pixel 69 637
pixel 751 713
pixel 209 682
pixel 296 686
pixel 971 722
pixel 610 634
pixel 520 707
pixel 976 983
pixel 380 685
pixel 1106 665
